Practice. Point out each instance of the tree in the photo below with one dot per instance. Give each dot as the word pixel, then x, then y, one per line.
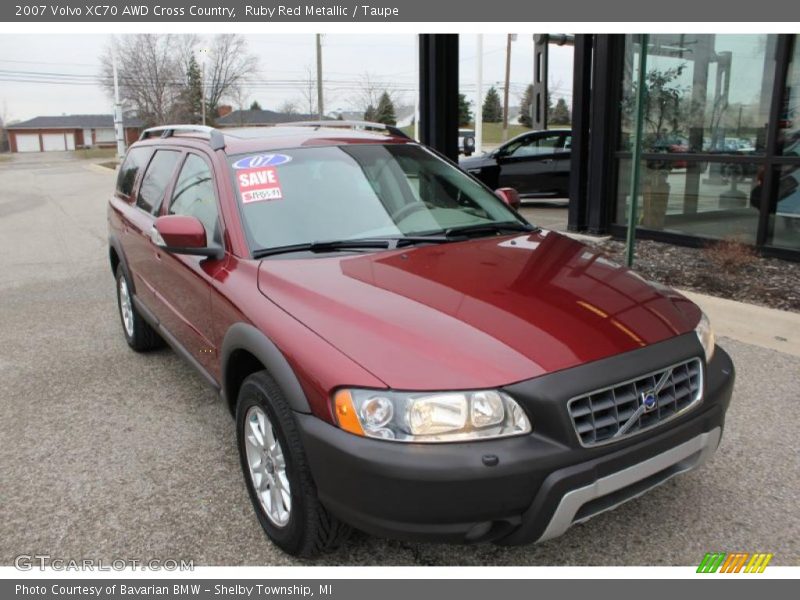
pixel 560 115
pixel 158 74
pixel 152 74
pixel 371 114
pixel 385 113
pixel 309 90
pixel 255 105
pixel 464 112
pixel 492 109
pixel 289 107
pixel 663 111
pixel 192 99
pixel 228 67
pixel 525 105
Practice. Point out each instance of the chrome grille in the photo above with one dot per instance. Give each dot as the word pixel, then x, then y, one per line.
pixel 601 416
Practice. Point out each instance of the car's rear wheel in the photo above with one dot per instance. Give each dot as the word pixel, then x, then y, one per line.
pixel 277 475
pixel 138 333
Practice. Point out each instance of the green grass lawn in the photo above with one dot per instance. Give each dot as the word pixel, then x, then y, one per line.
pixel 95 153
pixel 492 132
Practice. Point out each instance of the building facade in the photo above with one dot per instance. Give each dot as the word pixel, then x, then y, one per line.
pixel 69 132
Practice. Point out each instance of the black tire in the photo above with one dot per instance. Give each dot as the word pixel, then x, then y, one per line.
pixel 311 530
pixel 141 336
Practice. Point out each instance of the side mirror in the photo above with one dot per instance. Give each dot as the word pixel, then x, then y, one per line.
pixel 180 234
pixel 510 196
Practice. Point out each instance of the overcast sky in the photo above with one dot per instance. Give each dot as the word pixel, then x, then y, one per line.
pixel 283 60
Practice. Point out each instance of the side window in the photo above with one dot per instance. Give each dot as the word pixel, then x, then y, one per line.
pixel 134 161
pixel 194 196
pixel 537 145
pixel 156 179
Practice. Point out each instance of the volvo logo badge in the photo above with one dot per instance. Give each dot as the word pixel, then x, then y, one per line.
pixel 649 400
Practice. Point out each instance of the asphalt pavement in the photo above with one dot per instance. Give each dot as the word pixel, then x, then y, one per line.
pixel 110 454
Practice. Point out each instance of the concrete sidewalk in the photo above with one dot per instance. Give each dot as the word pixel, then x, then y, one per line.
pixel 757 325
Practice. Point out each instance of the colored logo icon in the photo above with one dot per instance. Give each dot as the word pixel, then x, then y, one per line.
pixel 736 562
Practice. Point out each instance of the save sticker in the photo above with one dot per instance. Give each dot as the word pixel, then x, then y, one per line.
pixel 259 184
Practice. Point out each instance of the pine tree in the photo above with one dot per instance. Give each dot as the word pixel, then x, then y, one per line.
pixel 193 94
pixel 525 107
pixel 560 114
pixel 255 105
pixel 370 114
pixel 384 113
pixel 492 109
pixel 464 112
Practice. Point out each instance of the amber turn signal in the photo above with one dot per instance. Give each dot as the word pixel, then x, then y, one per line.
pixel 346 412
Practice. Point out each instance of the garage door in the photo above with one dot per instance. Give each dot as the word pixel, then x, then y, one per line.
pixel 58 141
pixel 105 136
pixel 28 142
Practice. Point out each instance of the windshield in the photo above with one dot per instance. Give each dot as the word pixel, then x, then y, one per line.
pixel 304 195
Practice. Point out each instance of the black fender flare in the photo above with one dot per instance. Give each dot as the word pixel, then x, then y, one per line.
pixel 114 243
pixel 242 336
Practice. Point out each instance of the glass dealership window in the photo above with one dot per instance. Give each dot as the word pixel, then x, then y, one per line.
pixel 789 132
pixel 714 200
pixel 784 208
pixel 784 197
pixel 706 94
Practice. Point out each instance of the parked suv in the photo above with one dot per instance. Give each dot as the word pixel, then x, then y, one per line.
pixel 403 353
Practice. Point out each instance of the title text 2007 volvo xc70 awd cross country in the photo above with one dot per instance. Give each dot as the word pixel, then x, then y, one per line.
pixel 402 351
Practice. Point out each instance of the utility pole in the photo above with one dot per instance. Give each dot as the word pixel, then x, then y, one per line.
pixel 320 108
pixel 204 52
pixel 416 96
pixel 479 96
pixel 511 37
pixel 119 127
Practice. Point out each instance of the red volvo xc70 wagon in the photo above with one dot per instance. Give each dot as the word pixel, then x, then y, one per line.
pixel 402 351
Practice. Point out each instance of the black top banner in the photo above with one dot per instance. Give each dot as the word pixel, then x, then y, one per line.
pixel 439 11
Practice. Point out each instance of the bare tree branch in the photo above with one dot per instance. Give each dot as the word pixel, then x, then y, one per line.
pixel 228 68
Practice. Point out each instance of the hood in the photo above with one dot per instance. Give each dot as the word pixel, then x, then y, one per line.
pixel 476 314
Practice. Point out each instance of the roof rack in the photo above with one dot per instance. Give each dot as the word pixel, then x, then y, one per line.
pixel 356 125
pixel 215 137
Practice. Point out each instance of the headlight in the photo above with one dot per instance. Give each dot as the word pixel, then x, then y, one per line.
pixel 706 336
pixel 429 416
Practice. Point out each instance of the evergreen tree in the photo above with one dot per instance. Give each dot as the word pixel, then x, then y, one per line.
pixel 464 112
pixel 370 114
pixel 492 109
pixel 525 106
pixel 560 114
pixel 385 113
pixel 193 94
pixel 255 105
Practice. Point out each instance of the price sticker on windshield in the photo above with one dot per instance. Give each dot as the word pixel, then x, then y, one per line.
pixel 259 184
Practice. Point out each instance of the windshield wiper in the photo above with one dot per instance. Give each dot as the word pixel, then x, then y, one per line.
pixel 488 228
pixel 323 246
pixel 355 244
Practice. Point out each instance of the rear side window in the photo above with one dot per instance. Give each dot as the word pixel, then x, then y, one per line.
pixel 156 179
pixel 194 196
pixel 135 160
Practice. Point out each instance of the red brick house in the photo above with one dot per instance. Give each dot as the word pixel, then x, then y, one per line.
pixel 68 132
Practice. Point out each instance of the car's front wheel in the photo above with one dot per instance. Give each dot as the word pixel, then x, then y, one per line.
pixel 138 333
pixel 277 475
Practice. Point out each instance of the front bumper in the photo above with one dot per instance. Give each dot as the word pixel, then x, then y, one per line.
pixel 522 489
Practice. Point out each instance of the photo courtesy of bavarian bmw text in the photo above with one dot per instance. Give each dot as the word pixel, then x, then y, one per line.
pixel 337 300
